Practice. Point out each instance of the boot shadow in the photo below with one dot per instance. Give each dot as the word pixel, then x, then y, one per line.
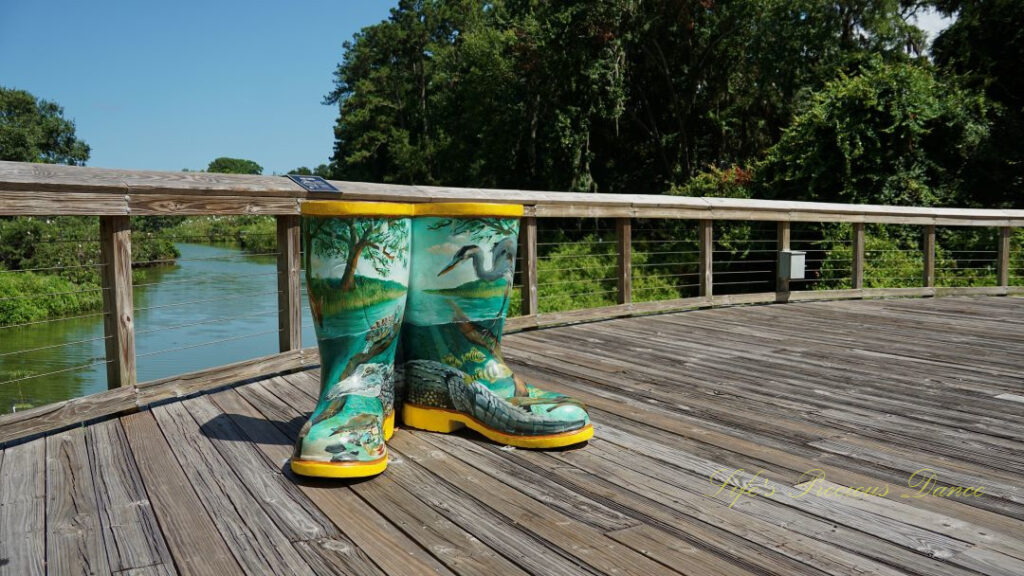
pixel 230 427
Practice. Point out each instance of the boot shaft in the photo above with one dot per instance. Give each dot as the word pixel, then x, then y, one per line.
pixel 460 288
pixel 357 274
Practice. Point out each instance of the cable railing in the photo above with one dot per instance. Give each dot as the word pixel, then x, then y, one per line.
pixel 178 305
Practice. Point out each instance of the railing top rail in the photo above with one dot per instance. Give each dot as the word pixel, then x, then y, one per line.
pixel 43 189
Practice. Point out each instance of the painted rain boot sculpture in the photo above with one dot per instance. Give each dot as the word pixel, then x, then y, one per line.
pixel 463 258
pixel 357 272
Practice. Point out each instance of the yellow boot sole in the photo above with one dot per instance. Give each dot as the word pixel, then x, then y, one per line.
pixel 446 421
pixel 347 469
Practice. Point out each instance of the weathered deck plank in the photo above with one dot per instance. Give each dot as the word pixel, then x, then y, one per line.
pixel 23 509
pixel 130 531
pixel 191 534
pixel 868 392
pixel 256 542
pixel 74 540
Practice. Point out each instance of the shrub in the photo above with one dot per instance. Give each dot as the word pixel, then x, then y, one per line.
pixel 29 297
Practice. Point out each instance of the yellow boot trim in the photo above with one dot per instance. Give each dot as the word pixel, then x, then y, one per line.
pixel 469 209
pixel 340 469
pixel 441 420
pixel 389 426
pixel 347 469
pixel 342 208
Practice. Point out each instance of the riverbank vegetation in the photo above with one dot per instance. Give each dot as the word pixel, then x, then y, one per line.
pixel 50 267
pixel 251 234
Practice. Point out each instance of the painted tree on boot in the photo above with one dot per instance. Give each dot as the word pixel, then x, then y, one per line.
pixel 357 271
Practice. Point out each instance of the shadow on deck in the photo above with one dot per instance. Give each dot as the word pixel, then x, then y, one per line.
pixel 869 392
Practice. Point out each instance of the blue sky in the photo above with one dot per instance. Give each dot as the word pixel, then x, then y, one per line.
pixel 172 85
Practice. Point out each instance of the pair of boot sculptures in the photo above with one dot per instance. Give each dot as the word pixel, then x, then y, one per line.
pixel 416 295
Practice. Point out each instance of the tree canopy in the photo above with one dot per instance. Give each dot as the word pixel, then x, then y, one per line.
pixel 225 165
pixel 892 134
pixel 323 170
pixel 986 45
pixel 35 130
pixel 642 97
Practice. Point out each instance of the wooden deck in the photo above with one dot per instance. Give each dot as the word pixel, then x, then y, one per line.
pixel 867 391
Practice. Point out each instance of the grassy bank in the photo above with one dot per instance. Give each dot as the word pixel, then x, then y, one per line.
pixel 49 267
pixel 368 291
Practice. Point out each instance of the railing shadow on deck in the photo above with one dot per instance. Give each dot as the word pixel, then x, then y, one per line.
pixel 686 241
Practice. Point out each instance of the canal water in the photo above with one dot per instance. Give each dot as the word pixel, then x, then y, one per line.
pixel 217 305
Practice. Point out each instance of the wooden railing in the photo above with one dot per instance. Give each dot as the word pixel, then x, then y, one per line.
pixel 115 195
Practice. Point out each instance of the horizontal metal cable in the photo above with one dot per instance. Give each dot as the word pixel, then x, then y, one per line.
pixel 48 320
pixel 83 366
pixel 224 319
pixel 674 252
pixel 671 275
pixel 209 258
pixel 567 269
pixel 727 262
pixel 665 264
pixel 745 272
pixel 210 343
pixel 70 267
pixel 649 288
pixel 610 254
pixel 208 279
pixel 742 283
pixel 45 294
pixel 575 281
pixel 61 345
pixel 232 297
pixel 550 296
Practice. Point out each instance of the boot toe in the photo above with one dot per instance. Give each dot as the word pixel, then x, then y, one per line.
pixel 567 413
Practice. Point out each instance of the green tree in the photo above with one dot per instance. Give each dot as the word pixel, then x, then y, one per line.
pixel 375 239
pixel 225 165
pixel 35 130
pixel 323 171
pixel 617 96
pixel 890 134
pixel 986 45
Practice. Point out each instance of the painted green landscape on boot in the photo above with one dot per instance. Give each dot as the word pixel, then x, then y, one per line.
pixel 475 289
pixel 366 292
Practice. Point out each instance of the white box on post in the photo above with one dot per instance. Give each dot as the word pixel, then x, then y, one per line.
pixel 791 264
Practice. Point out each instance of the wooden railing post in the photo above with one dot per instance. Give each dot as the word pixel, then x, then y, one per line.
pixel 289 283
pixel 707 249
pixel 858 255
pixel 118 322
pixel 782 284
pixel 928 253
pixel 1004 255
pixel 624 232
pixel 528 249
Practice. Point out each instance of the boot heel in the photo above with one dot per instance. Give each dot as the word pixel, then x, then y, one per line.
pixel 430 419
